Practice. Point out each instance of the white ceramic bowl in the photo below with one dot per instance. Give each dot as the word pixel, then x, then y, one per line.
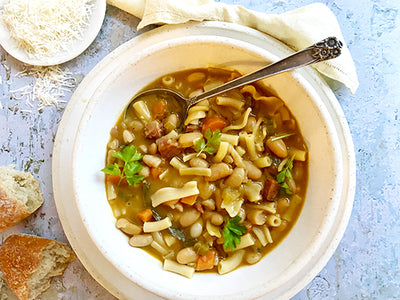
pixel 132 273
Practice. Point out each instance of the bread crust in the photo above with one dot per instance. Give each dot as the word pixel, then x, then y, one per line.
pixel 11 211
pixel 20 257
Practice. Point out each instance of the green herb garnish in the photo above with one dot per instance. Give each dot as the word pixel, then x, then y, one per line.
pixel 232 232
pixel 285 173
pixel 131 168
pixel 210 143
pixel 176 232
pixel 279 137
pixel 286 189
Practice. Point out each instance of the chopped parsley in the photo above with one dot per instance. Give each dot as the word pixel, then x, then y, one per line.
pixel 210 143
pixel 131 168
pixel 285 173
pixel 232 232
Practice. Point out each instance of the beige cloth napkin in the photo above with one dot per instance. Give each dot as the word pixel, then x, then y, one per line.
pixel 298 28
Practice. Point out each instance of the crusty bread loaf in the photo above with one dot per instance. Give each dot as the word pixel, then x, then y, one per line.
pixel 20 196
pixel 29 262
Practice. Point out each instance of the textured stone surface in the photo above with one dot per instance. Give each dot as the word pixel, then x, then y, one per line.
pixel 366 264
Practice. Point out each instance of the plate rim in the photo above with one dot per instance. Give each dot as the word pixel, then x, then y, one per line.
pixel 164 33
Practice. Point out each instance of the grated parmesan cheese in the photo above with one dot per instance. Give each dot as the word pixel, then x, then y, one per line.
pixel 45 27
pixel 50 86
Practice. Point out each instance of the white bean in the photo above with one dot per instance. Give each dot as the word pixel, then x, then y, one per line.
pixel 278 147
pixel 152 160
pixel 171 122
pixel 136 125
pixel 252 171
pixel 153 148
pixel 236 178
pixel 218 171
pixel 114 132
pixel 253 257
pixel 196 229
pixel 198 162
pixel 188 139
pixel 127 136
pixel 145 171
pixel 209 203
pixel 186 256
pixel 128 227
pixel 216 219
pixel 141 240
pixel 114 144
pixel 188 217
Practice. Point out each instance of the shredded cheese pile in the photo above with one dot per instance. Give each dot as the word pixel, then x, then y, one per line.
pixel 51 84
pixel 45 27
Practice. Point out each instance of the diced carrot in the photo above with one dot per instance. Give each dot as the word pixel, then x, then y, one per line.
pixel 206 262
pixel 189 200
pixel 248 226
pixel 145 215
pixel 159 109
pixel 213 123
pixel 156 172
pixel 115 179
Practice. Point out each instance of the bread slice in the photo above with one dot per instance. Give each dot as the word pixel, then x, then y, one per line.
pixel 20 196
pixel 29 262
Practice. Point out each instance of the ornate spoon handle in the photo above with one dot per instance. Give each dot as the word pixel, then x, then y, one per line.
pixel 326 49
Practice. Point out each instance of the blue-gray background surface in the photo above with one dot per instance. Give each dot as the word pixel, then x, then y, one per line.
pixel 366 263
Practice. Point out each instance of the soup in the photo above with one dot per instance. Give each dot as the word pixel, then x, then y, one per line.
pixel 215 191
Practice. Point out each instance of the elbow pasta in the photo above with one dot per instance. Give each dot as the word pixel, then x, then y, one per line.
pixel 211 194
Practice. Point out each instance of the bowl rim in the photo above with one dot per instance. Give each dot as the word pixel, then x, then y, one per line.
pixel 91 224
pixel 164 32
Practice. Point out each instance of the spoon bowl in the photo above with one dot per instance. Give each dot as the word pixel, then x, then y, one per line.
pixel 326 49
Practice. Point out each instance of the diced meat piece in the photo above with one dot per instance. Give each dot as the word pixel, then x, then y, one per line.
pixel 168 147
pixel 271 189
pixel 154 130
pixel 192 127
pixel 199 207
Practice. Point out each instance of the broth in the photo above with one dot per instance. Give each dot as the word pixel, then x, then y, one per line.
pixel 219 194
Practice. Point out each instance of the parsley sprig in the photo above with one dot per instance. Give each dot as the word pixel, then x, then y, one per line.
pixel 232 232
pixel 285 173
pixel 210 143
pixel 131 168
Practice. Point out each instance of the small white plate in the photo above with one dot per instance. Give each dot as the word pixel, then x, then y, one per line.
pixel 75 47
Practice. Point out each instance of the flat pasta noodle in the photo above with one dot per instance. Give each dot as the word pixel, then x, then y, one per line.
pixel 170 193
pixel 242 124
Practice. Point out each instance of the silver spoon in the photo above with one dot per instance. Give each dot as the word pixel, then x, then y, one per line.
pixel 326 49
